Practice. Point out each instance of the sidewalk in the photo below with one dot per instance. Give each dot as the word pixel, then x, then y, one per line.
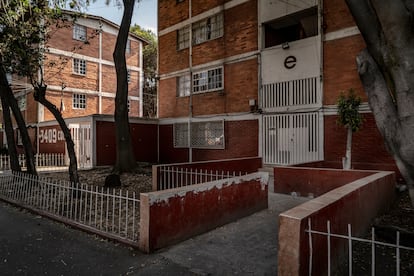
pixel 32 245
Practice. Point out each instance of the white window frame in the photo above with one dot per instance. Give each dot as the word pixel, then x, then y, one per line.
pixel 183 38
pixel 78 101
pixel 208 29
pixel 208 80
pixel 21 101
pixel 129 75
pixel 183 85
pixel 128 47
pixel 79 32
pixel 79 66
pixel 204 135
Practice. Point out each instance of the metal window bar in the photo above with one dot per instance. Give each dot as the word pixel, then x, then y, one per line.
pixel 350 239
pixel 94 207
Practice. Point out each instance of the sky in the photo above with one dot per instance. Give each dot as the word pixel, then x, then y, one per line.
pixel 145 12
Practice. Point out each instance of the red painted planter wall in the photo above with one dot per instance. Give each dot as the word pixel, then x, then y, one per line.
pixel 170 216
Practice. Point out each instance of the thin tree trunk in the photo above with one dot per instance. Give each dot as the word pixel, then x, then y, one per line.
pixel 7 93
pixel 125 159
pixel 11 143
pixel 347 159
pixel 39 96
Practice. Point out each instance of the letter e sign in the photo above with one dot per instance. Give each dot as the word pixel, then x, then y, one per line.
pixel 290 62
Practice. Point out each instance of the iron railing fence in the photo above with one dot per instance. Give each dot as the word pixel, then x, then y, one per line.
pixel 378 250
pixel 170 177
pixel 43 160
pixel 108 212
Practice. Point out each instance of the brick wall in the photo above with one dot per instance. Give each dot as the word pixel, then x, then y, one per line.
pixel 238 144
pixel 368 148
pixel 340 69
pixel 170 12
pixel 336 16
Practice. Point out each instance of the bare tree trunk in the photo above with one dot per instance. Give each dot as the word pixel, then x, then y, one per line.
pixel 39 95
pixel 125 159
pixel 7 94
pixel 346 162
pixel 386 70
pixel 11 143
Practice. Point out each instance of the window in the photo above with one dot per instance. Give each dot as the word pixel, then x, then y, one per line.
pixel 208 29
pixel 79 66
pixel 183 38
pixel 206 81
pixel 79 32
pixel 21 101
pixel 204 30
pixel 183 86
pixel 128 47
pixel 293 27
pixel 129 75
pixel 79 101
pixel 203 134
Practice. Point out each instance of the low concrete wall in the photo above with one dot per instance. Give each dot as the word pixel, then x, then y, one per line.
pixel 313 181
pixel 173 215
pixel 356 203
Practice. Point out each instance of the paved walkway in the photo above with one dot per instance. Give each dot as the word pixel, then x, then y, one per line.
pixel 33 245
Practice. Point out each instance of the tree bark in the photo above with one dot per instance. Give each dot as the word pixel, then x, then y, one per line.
pixel 386 70
pixel 125 159
pixel 7 94
pixel 39 96
pixel 11 143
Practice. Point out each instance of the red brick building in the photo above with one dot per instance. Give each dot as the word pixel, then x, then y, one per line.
pixel 81 80
pixel 242 78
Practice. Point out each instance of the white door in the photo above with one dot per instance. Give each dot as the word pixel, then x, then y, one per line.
pixel 291 138
pixel 81 135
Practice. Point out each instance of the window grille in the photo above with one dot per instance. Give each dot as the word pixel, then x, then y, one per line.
pixel 203 134
pixel 204 30
pixel 183 86
pixel 79 32
pixel 79 66
pixel 209 80
pixel 79 101
pixel 208 29
pixel 183 38
pixel 21 101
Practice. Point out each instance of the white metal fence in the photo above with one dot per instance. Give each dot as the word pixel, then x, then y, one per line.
pixel 294 93
pixel 51 160
pixel 374 245
pixel 170 177
pixel 109 212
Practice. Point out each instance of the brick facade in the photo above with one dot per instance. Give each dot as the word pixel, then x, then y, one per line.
pixel 241 38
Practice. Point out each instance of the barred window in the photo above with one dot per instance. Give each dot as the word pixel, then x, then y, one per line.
pixel 209 80
pixel 79 101
pixel 203 134
pixel 208 29
pixel 79 66
pixel 21 101
pixel 183 38
pixel 79 32
pixel 183 86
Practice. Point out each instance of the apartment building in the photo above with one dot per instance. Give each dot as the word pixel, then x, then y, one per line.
pixel 242 78
pixel 80 74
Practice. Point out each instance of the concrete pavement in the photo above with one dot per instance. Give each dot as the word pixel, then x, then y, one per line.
pixel 33 245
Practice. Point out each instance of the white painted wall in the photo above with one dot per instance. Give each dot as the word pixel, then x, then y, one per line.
pixel 308 55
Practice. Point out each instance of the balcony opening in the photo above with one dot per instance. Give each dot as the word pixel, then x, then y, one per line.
pixel 292 27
